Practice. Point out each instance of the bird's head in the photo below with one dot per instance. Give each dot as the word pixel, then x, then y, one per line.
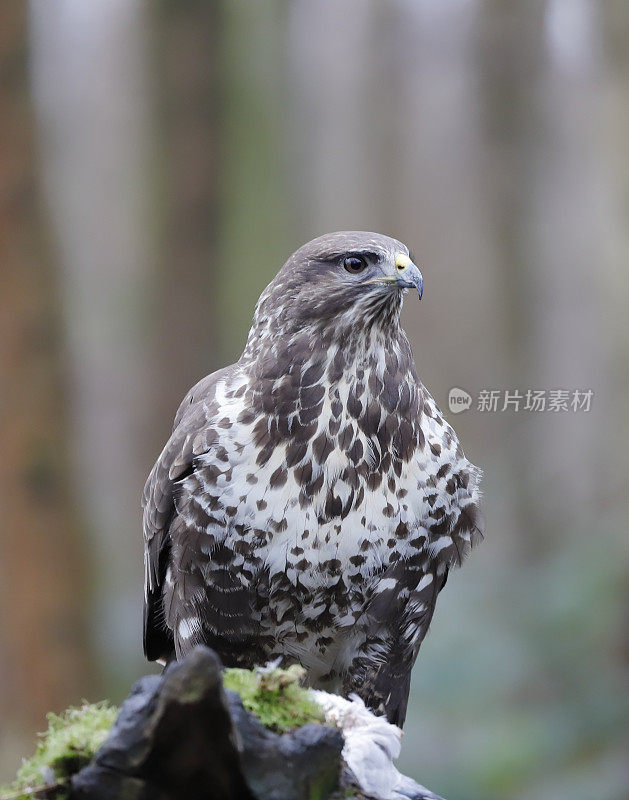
pixel 347 278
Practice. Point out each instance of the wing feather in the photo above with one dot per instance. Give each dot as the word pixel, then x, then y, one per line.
pixel 189 439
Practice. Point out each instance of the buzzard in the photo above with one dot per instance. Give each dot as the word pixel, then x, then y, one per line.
pixel 311 498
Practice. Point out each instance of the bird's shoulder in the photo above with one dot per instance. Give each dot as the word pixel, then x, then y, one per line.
pixel 193 434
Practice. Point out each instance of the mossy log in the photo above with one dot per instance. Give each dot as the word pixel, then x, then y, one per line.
pixel 200 733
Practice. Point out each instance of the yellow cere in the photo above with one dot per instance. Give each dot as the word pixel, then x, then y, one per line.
pixel 402 261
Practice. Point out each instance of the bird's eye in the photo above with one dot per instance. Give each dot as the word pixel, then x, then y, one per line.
pixel 354 264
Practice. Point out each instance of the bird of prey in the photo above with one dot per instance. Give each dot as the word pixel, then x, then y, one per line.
pixel 311 498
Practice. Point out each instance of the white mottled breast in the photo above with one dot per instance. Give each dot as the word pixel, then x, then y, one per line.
pixel 258 502
pixel 299 541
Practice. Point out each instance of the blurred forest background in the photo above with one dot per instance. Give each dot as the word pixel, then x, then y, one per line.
pixel 158 163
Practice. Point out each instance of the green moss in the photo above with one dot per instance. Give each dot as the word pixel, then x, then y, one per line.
pixel 72 738
pixel 68 745
pixel 275 696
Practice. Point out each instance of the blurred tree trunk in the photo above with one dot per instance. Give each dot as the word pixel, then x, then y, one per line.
pixel 538 64
pixel 615 22
pixel 183 327
pixel 221 188
pixel 615 438
pixel 91 86
pixel 43 566
pixel 255 210
pixel 510 61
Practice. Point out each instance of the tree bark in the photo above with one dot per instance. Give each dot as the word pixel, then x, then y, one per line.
pixel 46 657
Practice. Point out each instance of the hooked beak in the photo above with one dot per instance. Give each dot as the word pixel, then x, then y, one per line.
pixel 407 275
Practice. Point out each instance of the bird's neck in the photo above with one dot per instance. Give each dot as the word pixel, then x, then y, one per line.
pixel 283 340
pixel 278 358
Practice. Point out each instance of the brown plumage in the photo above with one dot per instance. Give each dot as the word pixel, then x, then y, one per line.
pixel 311 498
